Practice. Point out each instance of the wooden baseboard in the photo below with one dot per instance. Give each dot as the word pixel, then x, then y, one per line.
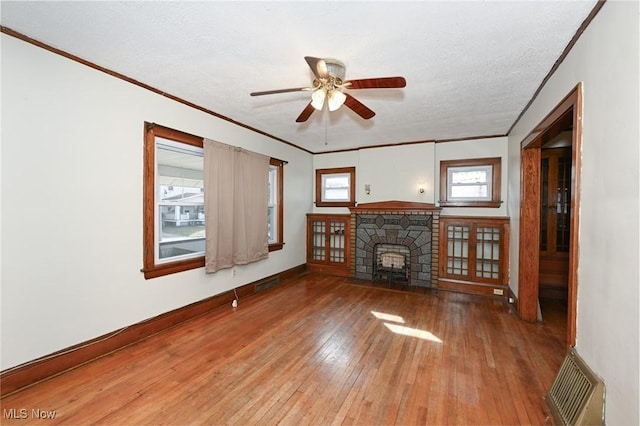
pixel 474 288
pixel 329 270
pixel 16 378
pixel 513 302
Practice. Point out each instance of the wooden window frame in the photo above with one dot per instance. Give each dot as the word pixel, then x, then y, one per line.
pixel 334 171
pixel 279 243
pixel 496 178
pixel 151 269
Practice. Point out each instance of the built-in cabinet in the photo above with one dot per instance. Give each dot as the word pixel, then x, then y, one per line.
pixel 474 254
pixel 328 237
pixel 555 219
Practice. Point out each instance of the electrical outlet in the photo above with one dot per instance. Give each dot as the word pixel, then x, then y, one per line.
pixel 233 272
pixel 498 291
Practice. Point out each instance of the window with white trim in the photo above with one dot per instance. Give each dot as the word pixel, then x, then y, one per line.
pixel 179 200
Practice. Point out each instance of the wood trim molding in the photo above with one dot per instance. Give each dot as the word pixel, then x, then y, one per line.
pixel 20 36
pixel 529 246
pixel 320 173
pixel 387 145
pixel 395 206
pixel 576 156
pixel 561 59
pixel 556 114
pixel 43 368
pixel 150 268
pixel 496 177
pixel 527 300
pixel 279 204
pixel 466 287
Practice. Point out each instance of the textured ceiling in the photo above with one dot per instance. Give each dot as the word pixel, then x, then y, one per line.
pixel 471 67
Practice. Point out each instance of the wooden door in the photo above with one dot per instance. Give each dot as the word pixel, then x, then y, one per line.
pixel 555 216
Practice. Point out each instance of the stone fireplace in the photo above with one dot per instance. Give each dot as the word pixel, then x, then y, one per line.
pixel 396 240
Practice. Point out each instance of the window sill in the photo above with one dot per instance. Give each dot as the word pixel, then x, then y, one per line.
pixel 172 267
pixel 275 246
pixel 335 204
pixel 485 204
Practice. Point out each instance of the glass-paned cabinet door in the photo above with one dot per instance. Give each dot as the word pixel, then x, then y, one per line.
pixel 337 243
pixel 488 252
pixel 474 249
pixel 458 249
pixel 328 243
pixel 318 240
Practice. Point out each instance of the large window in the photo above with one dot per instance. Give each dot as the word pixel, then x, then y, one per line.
pixel 470 183
pixel 174 220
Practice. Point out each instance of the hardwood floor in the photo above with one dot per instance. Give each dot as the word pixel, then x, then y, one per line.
pixel 319 350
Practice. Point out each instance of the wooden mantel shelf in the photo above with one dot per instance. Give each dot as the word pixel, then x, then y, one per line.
pixel 400 206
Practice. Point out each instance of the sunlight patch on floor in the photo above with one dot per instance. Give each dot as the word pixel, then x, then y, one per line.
pixel 388 317
pixel 412 332
pixel 403 330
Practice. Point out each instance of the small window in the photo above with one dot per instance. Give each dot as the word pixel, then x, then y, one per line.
pixel 336 187
pixel 470 183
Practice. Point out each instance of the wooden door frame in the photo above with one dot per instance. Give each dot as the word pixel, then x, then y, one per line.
pixel 529 255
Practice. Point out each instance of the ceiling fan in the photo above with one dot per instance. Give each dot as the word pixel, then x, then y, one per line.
pixel 328 84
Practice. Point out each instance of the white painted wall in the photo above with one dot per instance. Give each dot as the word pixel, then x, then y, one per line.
pixel 394 172
pixel 71 218
pixel 477 148
pixel 605 59
pixel 329 161
pixel 71 205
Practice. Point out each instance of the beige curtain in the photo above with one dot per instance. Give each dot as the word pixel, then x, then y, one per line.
pixel 235 205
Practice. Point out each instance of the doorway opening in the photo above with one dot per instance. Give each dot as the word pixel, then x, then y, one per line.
pixel 549 216
pixel 555 220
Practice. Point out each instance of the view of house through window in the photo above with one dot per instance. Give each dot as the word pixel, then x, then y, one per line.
pixel 335 187
pixel 174 218
pixel 179 200
pixel 470 183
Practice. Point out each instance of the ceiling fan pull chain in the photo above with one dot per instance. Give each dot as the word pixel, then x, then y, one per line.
pixel 326 120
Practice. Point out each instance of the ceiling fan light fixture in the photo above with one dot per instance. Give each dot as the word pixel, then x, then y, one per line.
pixel 317 99
pixel 335 99
pixel 328 83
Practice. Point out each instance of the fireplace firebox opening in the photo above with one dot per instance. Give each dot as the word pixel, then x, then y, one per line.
pixel 392 263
